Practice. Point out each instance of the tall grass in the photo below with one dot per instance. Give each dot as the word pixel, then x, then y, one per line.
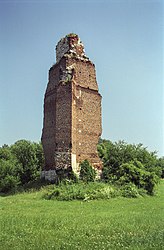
pixel 29 222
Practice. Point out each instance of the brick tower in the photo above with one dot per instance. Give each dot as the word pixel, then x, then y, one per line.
pixel 72 111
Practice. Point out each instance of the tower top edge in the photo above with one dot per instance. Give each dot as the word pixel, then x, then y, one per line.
pixel 70 45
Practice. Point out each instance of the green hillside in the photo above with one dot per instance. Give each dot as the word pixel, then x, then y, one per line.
pixel 27 221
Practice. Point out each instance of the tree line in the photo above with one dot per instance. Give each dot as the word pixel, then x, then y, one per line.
pixel 20 164
pixel 123 163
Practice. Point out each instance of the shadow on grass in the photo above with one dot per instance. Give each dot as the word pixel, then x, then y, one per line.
pixel 31 186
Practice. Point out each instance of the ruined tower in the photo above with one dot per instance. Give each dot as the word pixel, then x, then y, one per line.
pixel 72 111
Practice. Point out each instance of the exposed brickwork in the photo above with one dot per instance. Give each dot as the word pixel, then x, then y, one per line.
pixel 72 110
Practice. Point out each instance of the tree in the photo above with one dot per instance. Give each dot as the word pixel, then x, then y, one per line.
pixel 5 152
pixel 161 166
pixel 115 154
pixel 132 163
pixel 39 155
pixel 9 179
pixel 20 163
pixel 26 154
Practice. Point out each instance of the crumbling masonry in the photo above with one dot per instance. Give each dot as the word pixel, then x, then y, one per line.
pixel 72 111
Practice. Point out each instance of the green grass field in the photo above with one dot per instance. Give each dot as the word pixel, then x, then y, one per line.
pixel 29 222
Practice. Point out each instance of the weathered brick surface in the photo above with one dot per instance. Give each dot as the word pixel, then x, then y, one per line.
pixel 72 110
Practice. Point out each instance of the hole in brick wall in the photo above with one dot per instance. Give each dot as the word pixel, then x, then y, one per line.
pixel 60 71
pixel 79 155
pixel 80 108
pixel 80 72
pixel 70 145
pixel 60 74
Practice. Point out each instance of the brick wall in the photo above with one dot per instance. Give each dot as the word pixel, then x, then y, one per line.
pixel 72 110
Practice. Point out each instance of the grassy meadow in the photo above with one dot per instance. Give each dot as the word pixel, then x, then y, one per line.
pixel 27 221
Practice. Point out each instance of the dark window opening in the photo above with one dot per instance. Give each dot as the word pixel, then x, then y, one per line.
pixel 60 71
pixel 60 74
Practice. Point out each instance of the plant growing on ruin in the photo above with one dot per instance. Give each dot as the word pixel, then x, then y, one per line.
pixel 87 172
pixel 72 35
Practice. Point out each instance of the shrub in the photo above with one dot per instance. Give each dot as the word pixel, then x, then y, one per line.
pixel 87 172
pixel 129 174
pixel 26 154
pixel 161 166
pixel 20 164
pixel 130 191
pixel 126 163
pixel 91 191
pixel 82 191
pixel 149 182
pixel 118 153
pixel 9 183
pixel 105 192
pixel 9 180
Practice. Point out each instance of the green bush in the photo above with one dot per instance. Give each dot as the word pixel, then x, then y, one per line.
pixel 115 154
pixel 149 182
pixel 126 163
pixel 20 164
pixel 87 172
pixel 9 180
pixel 130 191
pixel 82 191
pixel 91 191
pixel 161 166
pixel 9 184
pixel 129 174
pixel 105 192
pixel 25 153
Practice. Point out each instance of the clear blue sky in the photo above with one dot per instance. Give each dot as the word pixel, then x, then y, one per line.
pixel 124 38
